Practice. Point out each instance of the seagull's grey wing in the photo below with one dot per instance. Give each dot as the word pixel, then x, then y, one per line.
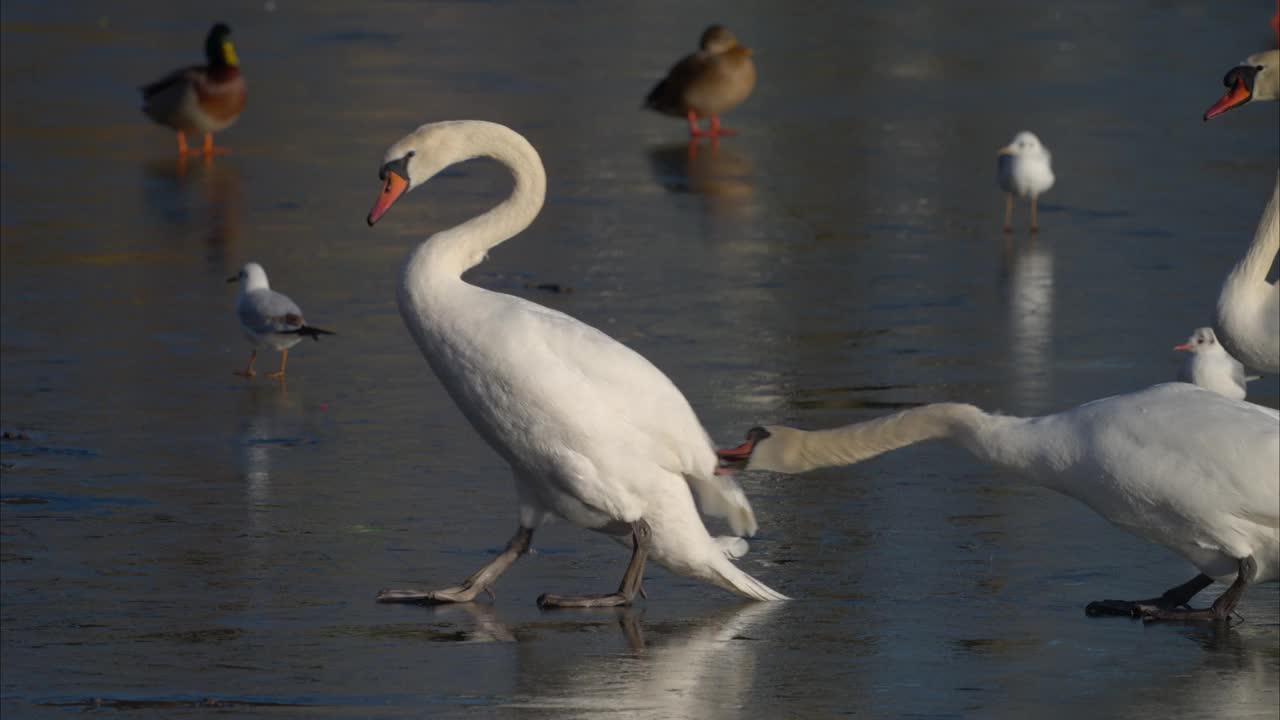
pixel 267 311
pixel 1237 374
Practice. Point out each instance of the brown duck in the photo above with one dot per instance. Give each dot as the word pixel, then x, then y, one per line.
pixel 200 99
pixel 711 81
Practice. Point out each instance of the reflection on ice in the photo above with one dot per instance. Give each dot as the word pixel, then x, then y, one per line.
pixel 703 669
pixel 1028 287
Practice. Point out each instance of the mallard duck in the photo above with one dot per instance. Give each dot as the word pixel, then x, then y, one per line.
pixel 712 81
pixel 200 99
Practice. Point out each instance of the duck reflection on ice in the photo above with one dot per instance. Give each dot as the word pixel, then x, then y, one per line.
pixel 197 197
pixel 723 174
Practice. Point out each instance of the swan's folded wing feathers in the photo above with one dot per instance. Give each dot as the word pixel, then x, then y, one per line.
pixel 1177 423
pixel 635 404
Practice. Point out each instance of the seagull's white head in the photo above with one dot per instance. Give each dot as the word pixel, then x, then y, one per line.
pixel 250 277
pixel 1202 340
pixel 1024 143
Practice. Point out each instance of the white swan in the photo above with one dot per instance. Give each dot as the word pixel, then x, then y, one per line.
pixel 1023 168
pixel 1211 367
pixel 1174 463
pixel 1248 316
pixel 593 432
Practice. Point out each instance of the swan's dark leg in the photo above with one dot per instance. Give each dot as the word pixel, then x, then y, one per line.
pixel 627 589
pixel 1172 598
pixel 1219 610
pixel 472 586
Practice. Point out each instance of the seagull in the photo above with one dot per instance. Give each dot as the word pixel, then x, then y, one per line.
pixel 1210 366
pixel 269 318
pixel 1022 168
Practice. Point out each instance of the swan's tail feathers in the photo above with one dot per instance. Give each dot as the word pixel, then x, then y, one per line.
pixel 720 495
pixel 731 577
pixel 732 546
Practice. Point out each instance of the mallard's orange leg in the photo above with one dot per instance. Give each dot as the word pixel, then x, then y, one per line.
pixel 284 357
pixel 1008 212
pixel 716 130
pixel 182 144
pixel 248 371
pixel 209 149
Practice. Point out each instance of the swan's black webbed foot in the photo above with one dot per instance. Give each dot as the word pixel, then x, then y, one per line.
pixel 1221 609
pixel 1170 600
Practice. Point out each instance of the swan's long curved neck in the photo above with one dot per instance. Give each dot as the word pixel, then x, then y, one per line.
pixel 793 451
pixel 452 252
pixel 1251 272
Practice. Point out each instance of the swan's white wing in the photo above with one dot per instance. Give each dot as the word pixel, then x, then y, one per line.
pixel 1175 457
pixel 594 394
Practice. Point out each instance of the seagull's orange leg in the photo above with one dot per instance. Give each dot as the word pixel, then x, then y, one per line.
pixel 248 371
pixel 284 357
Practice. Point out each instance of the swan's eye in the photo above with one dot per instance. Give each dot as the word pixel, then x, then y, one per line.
pixel 411 153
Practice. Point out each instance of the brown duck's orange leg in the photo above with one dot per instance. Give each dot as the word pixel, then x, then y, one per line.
pixel 716 130
pixel 248 371
pixel 694 130
pixel 182 144
pixel 209 149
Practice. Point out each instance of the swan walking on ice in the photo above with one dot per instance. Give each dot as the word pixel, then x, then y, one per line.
pixel 593 432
